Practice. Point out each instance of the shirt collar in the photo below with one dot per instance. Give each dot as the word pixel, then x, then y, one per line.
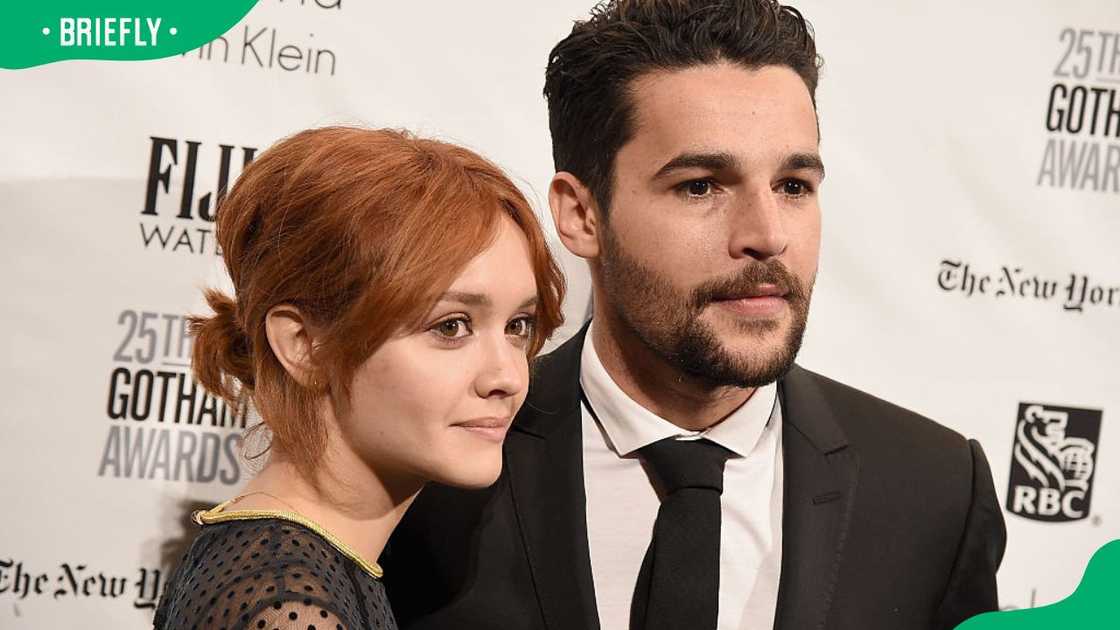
pixel 630 426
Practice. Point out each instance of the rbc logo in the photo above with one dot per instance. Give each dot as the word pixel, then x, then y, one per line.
pixel 1052 462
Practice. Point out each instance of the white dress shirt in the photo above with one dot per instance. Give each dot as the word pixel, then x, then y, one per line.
pixel 622 504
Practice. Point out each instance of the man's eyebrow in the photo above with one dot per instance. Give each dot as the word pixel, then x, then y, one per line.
pixel 799 161
pixel 715 161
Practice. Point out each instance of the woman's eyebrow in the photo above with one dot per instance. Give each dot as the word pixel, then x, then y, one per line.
pixel 464 297
pixel 479 299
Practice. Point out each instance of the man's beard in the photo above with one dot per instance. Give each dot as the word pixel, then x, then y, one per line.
pixel 667 321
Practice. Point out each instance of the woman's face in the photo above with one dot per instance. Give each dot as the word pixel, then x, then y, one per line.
pixel 436 403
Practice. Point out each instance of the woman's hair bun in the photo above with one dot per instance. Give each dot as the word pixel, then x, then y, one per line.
pixel 223 352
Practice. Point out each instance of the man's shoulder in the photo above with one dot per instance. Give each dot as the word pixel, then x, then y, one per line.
pixel 908 463
pixel 868 420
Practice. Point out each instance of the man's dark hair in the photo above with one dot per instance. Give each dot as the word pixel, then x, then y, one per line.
pixel 591 71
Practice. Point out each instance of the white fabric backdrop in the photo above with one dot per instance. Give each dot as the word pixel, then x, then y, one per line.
pixel 934 122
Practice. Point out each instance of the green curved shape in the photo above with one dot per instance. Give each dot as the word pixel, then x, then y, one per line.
pixel 37 32
pixel 1093 605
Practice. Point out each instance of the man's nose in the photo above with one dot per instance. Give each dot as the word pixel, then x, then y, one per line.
pixel 757 228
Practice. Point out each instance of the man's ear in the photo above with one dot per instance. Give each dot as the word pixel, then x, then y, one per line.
pixel 291 339
pixel 575 214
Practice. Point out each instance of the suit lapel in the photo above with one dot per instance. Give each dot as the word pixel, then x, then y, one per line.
pixel 821 473
pixel 544 457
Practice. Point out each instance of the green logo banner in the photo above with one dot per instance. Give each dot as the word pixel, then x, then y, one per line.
pixel 1092 606
pixel 36 33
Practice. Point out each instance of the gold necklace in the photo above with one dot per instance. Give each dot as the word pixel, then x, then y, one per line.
pixel 218 514
pixel 262 492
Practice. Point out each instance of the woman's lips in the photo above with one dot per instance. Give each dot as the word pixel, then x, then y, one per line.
pixel 492 429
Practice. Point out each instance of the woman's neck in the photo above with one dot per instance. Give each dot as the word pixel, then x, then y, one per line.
pixel 349 500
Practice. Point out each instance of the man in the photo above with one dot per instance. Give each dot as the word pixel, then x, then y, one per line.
pixel 672 468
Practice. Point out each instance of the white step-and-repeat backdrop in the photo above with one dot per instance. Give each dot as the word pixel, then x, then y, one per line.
pixel 970 268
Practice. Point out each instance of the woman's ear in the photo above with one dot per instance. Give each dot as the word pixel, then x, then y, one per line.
pixel 291 339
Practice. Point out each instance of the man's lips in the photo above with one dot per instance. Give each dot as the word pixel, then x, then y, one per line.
pixel 489 428
pixel 757 291
pixel 760 301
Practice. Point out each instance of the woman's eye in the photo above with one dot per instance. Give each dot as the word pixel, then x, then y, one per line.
pixel 452 328
pixel 698 188
pixel 521 327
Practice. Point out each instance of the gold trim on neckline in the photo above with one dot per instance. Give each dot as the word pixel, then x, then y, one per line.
pixel 217 514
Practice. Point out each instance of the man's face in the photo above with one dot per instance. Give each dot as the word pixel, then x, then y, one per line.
pixel 709 252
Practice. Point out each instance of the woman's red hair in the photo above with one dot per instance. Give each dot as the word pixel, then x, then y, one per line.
pixel 362 230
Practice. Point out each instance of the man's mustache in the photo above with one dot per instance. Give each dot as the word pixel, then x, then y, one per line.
pixel 747 281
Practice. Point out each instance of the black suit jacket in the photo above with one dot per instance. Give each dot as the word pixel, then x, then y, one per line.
pixel 890 520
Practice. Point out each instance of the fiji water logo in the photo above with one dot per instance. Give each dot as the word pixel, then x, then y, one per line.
pixel 1052 462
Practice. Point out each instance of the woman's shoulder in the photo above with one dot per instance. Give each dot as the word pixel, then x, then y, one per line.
pixel 264 573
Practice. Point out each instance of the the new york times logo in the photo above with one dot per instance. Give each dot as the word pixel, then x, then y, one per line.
pixel 173 219
pixel 1052 462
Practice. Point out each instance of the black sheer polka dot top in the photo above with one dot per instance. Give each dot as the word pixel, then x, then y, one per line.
pixel 271 570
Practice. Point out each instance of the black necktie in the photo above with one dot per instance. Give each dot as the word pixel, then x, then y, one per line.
pixel 678 586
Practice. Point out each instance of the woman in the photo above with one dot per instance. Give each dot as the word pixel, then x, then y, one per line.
pixel 390 292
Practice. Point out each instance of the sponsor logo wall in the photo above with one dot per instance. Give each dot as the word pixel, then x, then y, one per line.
pixel 969 268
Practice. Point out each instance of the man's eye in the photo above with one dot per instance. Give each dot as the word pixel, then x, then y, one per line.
pixel 698 188
pixel 452 328
pixel 795 188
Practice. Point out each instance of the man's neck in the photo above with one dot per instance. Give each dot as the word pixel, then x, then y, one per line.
pixel 657 385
